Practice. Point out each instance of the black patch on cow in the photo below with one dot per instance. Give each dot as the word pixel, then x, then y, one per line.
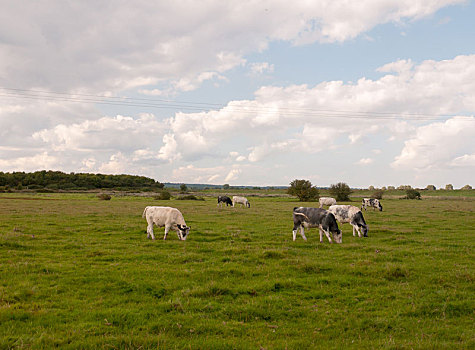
pixel 225 199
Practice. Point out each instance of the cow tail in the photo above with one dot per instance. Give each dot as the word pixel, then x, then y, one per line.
pixel 144 212
pixel 305 216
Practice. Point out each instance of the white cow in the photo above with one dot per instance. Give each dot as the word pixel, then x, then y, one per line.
pixel 352 215
pixel 169 217
pixel 241 200
pixel 326 201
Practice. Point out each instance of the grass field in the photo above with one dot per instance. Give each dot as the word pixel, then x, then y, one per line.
pixel 77 272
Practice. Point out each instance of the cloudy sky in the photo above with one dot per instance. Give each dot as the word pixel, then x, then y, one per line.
pixel 371 92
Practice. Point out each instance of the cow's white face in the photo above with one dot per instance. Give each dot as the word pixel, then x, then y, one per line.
pixel 338 236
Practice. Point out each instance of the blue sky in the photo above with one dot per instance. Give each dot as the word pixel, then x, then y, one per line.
pixel 378 92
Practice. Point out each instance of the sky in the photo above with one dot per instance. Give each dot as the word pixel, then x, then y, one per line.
pixel 370 93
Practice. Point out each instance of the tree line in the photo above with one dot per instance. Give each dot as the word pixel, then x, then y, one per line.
pixel 57 180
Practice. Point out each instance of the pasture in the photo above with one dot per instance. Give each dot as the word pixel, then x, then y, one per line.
pixel 77 272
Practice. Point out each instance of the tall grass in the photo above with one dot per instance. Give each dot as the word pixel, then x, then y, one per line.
pixel 76 272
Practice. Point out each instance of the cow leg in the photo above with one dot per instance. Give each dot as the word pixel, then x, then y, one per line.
pixel 321 234
pixel 150 231
pixel 358 229
pixel 355 228
pixel 167 228
pixel 328 236
pixel 178 232
pixel 294 232
pixel 302 233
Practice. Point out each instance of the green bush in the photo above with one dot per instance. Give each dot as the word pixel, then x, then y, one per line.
pixel 163 195
pixel 303 190
pixel 190 197
pixel 104 197
pixel 341 192
pixel 378 194
pixel 413 194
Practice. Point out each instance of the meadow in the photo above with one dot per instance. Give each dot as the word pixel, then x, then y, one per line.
pixel 78 272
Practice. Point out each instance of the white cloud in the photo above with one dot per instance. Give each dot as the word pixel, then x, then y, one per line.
pixel 365 161
pixel 463 161
pixel 169 150
pixel 438 145
pixel 304 119
pixel 261 67
pixel 120 132
pixel 117 164
pixel 194 174
pixel 232 175
pixel 41 161
pixel 88 47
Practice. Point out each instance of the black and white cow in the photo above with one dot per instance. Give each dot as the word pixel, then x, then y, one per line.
pixel 371 202
pixel 352 215
pixel 224 199
pixel 316 217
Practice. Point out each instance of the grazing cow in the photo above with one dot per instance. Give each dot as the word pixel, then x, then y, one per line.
pixel 371 202
pixel 350 214
pixel 224 199
pixel 169 217
pixel 241 200
pixel 316 217
pixel 326 201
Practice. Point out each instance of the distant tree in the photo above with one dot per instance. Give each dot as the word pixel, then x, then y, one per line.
pixel 378 194
pixel 183 188
pixel 163 195
pixel 412 194
pixel 303 190
pixel 391 188
pixel 104 197
pixel 226 187
pixel 159 185
pixel 449 187
pixel 371 188
pixel 431 188
pixel 341 192
pixel 466 187
pixel 404 187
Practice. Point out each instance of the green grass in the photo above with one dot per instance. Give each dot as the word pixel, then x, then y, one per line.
pixel 77 272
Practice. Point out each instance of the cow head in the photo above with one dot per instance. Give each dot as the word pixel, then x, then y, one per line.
pixel 337 236
pixel 183 232
pixel 358 219
pixel 329 224
pixel 380 207
pixel 364 229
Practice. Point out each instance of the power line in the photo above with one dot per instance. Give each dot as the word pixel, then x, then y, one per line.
pixel 201 106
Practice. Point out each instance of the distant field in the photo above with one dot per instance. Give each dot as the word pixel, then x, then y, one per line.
pixel 78 272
